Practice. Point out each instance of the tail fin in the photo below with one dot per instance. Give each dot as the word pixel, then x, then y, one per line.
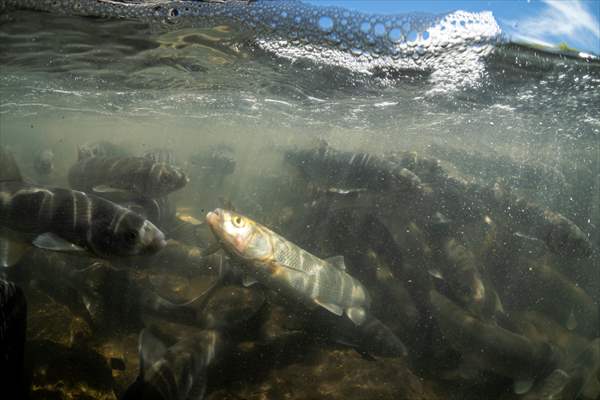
pixel 177 372
pixel 11 252
pixel 9 170
pixel 150 349
pixel 185 313
pixel 83 153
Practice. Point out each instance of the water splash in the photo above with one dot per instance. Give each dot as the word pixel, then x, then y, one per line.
pixel 450 48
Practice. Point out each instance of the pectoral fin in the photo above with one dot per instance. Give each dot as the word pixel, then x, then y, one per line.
pixel 248 280
pixel 198 390
pixel 522 386
pixel 50 241
pixel 572 321
pixel 356 315
pixel 337 310
pixel 11 252
pixel 9 170
pixel 150 349
pixel 436 273
pixel 211 249
pixel 108 189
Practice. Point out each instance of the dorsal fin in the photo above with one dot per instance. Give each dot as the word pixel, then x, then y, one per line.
pixel 150 349
pixel 82 153
pixel 337 261
pixel 9 170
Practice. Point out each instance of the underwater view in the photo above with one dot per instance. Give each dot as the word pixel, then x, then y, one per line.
pixel 265 200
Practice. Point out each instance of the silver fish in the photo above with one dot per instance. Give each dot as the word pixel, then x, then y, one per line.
pixel 277 263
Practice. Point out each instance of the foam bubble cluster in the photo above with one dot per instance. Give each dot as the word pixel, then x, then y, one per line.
pixel 450 47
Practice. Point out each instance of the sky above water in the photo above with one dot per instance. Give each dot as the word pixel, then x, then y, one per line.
pixel 548 22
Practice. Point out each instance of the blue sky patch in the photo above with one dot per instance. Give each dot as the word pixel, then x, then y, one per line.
pixel 546 22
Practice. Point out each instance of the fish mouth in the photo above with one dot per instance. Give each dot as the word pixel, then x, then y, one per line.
pixel 157 244
pixel 157 241
pixel 213 218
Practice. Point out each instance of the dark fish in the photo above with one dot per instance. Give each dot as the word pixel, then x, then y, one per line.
pixel 160 211
pixel 177 372
pixel 104 296
pixel 459 269
pixel 13 322
pixel 161 155
pixel 100 149
pixel 561 235
pixel 68 220
pixel 215 165
pixel 226 308
pixel 43 163
pixel 490 165
pixel 487 347
pixel 527 284
pixel 115 298
pixel 138 176
pixel 351 172
pixel 578 379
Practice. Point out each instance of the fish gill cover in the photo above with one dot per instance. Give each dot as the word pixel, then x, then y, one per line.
pixel 449 47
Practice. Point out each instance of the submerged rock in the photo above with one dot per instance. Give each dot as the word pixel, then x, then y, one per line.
pixel 332 375
pixel 60 372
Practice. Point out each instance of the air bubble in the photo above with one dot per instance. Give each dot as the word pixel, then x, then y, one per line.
pixel 297 19
pixel 412 36
pixel 425 35
pixel 365 27
pixel 395 35
pixel 283 14
pixel 334 38
pixel 356 51
pixel 379 29
pixel 326 24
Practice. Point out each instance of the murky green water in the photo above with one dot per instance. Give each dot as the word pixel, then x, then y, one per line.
pixel 484 264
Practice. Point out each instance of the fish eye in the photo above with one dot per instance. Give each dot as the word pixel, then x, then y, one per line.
pixel 237 221
pixel 130 236
pixel 164 178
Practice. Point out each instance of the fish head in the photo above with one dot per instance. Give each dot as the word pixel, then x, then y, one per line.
pixel 135 235
pixel 45 162
pixel 169 178
pixel 239 235
pixel 150 239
